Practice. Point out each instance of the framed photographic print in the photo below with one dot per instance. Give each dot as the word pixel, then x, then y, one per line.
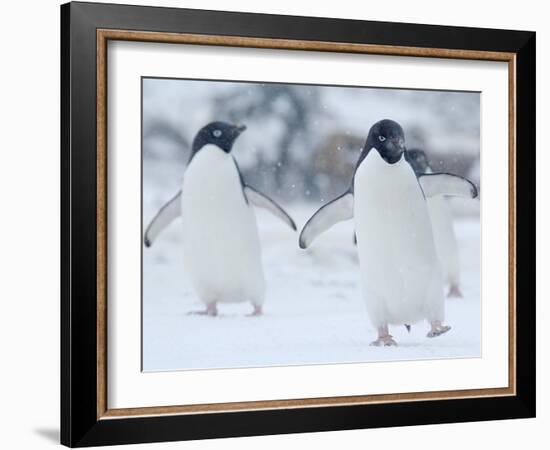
pixel 277 224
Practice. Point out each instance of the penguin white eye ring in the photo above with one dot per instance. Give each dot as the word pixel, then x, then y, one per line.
pixel 381 138
pixel 217 133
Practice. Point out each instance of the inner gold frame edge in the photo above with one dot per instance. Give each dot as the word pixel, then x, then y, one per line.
pixel 104 35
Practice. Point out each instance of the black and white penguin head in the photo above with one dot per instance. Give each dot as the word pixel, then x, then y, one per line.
pixel 388 138
pixel 418 160
pixel 220 134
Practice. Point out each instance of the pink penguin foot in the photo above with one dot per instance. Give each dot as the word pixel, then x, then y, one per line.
pixel 211 310
pixel 384 341
pixel 258 311
pixel 438 329
pixel 454 292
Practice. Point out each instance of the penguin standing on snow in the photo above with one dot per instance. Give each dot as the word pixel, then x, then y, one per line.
pixel 442 225
pixel 220 237
pixel 400 271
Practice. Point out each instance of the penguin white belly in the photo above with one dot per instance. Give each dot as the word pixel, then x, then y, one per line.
pixel 221 243
pixel 399 268
pixel 444 238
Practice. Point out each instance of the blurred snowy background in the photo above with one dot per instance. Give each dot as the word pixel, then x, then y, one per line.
pixel 300 148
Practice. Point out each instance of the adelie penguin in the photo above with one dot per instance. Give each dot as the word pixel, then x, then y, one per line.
pixel 400 272
pixel 220 237
pixel 442 226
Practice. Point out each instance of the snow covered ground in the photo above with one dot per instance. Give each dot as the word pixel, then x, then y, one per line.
pixel 314 311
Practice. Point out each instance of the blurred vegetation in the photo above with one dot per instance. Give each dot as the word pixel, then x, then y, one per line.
pixel 303 141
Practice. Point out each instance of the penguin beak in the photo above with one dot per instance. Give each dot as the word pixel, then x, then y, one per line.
pixel 240 128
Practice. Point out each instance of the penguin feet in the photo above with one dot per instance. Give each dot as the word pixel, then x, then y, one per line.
pixel 384 341
pixel 211 310
pixel 454 292
pixel 438 329
pixel 258 311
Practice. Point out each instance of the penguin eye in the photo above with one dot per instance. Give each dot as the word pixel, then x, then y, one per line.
pixel 381 138
pixel 217 133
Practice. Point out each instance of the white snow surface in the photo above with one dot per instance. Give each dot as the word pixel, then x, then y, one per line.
pixel 314 310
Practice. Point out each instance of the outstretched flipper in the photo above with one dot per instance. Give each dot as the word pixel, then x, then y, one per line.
pixel 336 211
pixel 433 184
pixel 260 200
pixel 164 217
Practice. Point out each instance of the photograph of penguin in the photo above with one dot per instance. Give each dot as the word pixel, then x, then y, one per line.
pixel 400 272
pixel 445 240
pixel 221 244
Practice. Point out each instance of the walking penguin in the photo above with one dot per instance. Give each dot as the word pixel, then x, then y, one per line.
pixel 446 244
pixel 400 272
pixel 221 244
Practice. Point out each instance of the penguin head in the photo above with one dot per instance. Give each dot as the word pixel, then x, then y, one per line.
pixel 388 138
pixel 418 160
pixel 220 134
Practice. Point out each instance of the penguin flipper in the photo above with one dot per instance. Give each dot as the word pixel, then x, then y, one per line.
pixel 433 184
pixel 260 200
pixel 163 218
pixel 339 209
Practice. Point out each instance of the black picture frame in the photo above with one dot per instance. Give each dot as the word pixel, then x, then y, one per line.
pixel 80 425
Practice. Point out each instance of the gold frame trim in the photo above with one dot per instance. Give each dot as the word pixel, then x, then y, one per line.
pixel 104 35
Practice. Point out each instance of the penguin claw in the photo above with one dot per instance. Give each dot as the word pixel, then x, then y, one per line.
pixel 438 331
pixel 386 341
pixel 210 311
pixel 202 313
